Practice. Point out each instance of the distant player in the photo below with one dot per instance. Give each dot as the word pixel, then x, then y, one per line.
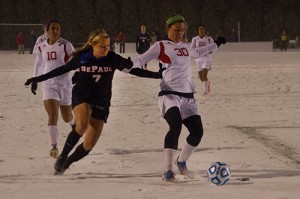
pixel 143 41
pixel 51 53
pixel 203 62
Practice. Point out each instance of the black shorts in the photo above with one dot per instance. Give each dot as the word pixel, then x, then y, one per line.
pixel 99 112
pixel 99 106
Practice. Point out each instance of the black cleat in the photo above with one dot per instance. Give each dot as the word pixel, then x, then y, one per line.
pixel 60 166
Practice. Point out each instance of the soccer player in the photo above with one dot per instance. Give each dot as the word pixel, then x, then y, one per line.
pixel 40 39
pixel 91 94
pixel 176 96
pixel 203 63
pixel 20 39
pixel 52 53
pixel 143 41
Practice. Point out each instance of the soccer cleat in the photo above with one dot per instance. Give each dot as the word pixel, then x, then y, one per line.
pixel 182 167
pixel 60 166
pixel 169 176
pixel 54 152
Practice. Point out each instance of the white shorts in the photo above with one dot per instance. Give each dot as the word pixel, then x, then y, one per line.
pixel 63 95
pixel 187 106
pixel 203 65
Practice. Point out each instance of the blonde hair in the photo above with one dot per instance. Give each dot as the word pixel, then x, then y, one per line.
pixel 94 38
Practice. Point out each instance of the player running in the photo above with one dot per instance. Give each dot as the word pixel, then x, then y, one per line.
pixel 203 62
pixel 176 96
pixel 91 94
pixel 40 39
pixel 51 53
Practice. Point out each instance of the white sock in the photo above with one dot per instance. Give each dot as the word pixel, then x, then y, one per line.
pixel 73 121
pixel 169 158
pixel 186 152
pixel 53 135
pixel 205 86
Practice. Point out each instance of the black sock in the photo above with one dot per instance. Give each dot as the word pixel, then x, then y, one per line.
pixel 71 141
pixel 78 154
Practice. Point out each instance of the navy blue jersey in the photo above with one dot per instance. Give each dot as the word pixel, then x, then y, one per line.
pixel 93 76
pixel 142 42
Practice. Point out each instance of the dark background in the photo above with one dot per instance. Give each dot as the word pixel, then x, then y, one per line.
pixel 260 20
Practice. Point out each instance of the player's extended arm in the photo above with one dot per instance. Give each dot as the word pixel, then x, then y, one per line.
pixel 56 72
pixel 204 50
pixel 148 74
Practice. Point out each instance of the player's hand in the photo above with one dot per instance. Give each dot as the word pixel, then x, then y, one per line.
pixel 127 63
pixel 34 87
pixel 29 81
pixel 220 40
pixel 33 84
pixel 161 70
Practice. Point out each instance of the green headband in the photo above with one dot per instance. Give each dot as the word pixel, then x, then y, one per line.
pixel 174 19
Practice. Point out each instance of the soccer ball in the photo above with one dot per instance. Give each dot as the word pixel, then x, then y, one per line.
pixel 218 173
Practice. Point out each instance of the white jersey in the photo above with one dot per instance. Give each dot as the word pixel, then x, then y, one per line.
pixel 39 40
pixel 176 59
pixel 198 42
pixel 50 57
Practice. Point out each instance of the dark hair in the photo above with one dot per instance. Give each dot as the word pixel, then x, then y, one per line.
pixel 49 21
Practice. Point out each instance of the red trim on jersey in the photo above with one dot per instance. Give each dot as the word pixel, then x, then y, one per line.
pixel 40 49
pixel 66 58
pixel 162 56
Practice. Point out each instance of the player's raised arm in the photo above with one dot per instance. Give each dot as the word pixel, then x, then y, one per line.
pixel 196 52
pixel 56 72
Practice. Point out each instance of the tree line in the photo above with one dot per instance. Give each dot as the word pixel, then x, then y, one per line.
pixel 260 20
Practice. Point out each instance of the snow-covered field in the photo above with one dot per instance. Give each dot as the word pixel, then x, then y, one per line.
pixel 251 121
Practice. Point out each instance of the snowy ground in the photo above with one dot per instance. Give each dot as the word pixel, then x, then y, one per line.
pixel 251 122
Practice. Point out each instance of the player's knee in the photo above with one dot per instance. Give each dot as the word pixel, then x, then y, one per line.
pixel 195 137
pixel 174 120
pixel 195 127
pixel 88 147
pixel 171 139
pixel 81 127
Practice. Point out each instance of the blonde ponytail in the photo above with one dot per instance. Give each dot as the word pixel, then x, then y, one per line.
pixel 93 39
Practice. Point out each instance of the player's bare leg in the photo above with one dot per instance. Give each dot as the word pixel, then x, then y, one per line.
pixel 205 81
pixel 67 115
pixel 200 75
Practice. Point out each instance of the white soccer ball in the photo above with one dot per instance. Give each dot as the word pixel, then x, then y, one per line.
pixel 218 173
